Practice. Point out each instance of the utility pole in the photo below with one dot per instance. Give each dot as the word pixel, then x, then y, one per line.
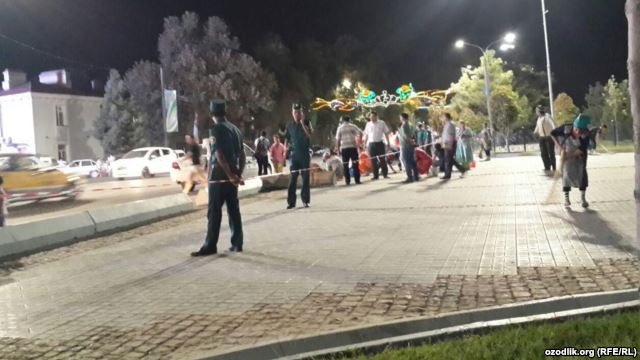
pixel 164 109
pixel 546 45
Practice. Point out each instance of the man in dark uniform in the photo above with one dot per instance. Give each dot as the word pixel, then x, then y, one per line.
pixel 227 164
pixel 297 137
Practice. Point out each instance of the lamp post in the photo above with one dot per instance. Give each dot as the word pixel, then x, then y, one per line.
pixel 507 43
pixel 546 46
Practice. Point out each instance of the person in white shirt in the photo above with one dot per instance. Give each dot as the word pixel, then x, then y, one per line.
pixel 544 127
pixel 375 133
pixel 346 143
pixel 449 143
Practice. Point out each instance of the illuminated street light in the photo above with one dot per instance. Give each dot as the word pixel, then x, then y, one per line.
pixel 507 47
pixel 347 83
pixel 507 43
pixel 510 38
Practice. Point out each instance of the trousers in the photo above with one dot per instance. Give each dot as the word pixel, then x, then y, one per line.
pixel 220 194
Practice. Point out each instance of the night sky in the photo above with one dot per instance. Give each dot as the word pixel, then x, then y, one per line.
pixel 588 37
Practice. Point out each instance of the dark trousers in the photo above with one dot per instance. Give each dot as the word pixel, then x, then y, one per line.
pixel 410 163
pixel 350 154
pixel 299 163
pixel 440 155
pixel 263 164
pixel 378 159
pixel 220 194
pixel 548 152
pixel 486 150
pixel 585 178
pixel 450 161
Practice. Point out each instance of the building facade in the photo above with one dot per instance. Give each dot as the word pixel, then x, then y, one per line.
pixel 52 119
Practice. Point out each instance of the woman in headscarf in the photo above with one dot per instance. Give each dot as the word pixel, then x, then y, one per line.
pixel 464 151
pixel 573 140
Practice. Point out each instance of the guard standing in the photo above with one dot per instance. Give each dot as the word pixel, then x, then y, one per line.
pixel 227 164
pixel 297 137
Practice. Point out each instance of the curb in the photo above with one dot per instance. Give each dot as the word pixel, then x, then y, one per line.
pixel 25 239
pixel 375 338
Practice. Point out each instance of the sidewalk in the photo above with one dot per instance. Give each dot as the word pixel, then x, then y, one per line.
pixel 360 254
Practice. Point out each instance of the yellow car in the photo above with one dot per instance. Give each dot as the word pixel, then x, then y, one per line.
pixel 27 179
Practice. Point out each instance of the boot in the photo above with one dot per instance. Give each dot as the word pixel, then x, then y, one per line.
pixel 567 202
pixel 585 203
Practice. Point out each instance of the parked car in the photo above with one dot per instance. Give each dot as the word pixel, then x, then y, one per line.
pixel 180 153
pixel 50 162
pixel 27 179
pixel 179 172
pixel 145 162
pixel 85 167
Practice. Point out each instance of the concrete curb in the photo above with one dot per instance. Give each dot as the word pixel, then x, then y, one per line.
pixel 372 338
pixel 24 239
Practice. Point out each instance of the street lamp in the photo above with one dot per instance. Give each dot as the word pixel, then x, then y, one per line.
pixel 506 43
pixel 546 46
pixel 347 83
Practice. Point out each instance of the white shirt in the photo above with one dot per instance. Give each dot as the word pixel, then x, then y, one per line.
pixel 448 133
pixel 376 131
pixel 544 126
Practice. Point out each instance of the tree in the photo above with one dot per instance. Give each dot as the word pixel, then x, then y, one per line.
pixel 115 126
pixel 470 99
pixel 632 10
pixel 617 101
pixel 595 103
pixel 204 61
pixel 566 110
pixel 143 83
pixel 530 83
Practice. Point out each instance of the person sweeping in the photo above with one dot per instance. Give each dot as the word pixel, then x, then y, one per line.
pixel 573 140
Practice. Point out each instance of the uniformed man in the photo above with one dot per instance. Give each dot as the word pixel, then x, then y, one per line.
pixel 227 164
pixel 297 137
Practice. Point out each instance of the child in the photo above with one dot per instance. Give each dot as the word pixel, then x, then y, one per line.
pixel 3 203
pixel 573 139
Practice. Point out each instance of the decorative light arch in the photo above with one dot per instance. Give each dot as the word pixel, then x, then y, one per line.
pixel 366 98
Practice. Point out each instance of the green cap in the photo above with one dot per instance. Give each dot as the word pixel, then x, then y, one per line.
pixel 217 107
pixel 582 122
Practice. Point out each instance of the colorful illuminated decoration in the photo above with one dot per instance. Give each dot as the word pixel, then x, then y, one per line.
pixel 405 94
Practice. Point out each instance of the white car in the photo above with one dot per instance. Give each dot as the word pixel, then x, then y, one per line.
pixel 85 167
pixel 180 153
pixel 145 162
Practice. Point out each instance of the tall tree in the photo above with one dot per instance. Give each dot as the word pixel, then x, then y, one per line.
pixel 632 10
pixel 566 110
pixel 143 83
pixel 115 126
pixel 617 109
pixel 204 61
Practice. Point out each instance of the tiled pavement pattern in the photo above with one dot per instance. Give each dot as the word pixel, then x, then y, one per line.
pixel 362 254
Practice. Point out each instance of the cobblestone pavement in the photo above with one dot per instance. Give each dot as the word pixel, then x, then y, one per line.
pixel 361 254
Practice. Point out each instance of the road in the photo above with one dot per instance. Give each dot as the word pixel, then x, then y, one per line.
pixel 95 194
pixel 362 254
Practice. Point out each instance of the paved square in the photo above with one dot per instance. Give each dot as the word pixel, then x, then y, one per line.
pixel 360 254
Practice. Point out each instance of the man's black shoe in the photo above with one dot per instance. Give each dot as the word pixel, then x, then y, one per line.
pixel 407 181
pixel 386 177
pixel 289 207
pixel 375 178
pixel 306 205
pixel 235 249
pixel 358 183
pixel 204 252
pixel 445 178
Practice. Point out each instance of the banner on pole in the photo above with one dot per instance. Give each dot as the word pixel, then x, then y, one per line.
pixel 171 111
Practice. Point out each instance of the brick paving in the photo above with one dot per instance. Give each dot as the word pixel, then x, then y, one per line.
pixel 360 255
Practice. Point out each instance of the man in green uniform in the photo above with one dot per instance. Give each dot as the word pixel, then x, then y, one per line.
pixel 297 137
pixel 227 164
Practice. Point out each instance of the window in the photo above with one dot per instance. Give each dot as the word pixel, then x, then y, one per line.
pixel 62 152
pixel 87 163
pixel 59 116
pixel 155 154
pixel 165 152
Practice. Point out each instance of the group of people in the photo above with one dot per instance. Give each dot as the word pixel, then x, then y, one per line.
pixel 452 149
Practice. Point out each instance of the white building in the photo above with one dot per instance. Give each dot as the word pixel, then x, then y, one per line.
pixel 49 116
